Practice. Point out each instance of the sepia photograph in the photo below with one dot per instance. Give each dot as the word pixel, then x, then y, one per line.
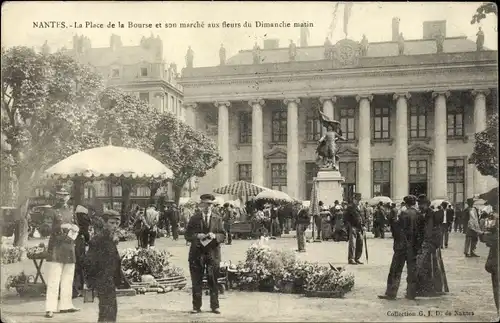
pixel 245 161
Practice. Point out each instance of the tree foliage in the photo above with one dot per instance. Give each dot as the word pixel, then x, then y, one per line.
pixel 485 154
pixel 483 10
pixel 186 151
pixel 47 113
pixel 126 120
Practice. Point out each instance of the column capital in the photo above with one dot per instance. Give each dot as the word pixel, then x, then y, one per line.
pixel 159 95
pixel 290 100
pixel 260 102
pixel 219 103
pixel 477 92
pixel 322 99
pixel 405 95
pixel 364 96
pixel 192 105
pixel 446 94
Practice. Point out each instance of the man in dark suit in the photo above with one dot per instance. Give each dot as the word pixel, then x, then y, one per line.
pixel 354 220
pixel 204 226
pixel 445 216
pixel 405 233
pixel 103 267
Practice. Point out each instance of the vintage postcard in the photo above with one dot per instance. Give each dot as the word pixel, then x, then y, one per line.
pixel 227 161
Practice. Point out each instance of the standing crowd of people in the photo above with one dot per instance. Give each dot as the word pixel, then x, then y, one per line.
pixel 83 254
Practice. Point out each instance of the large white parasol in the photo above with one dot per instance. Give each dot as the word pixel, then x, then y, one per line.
pixel 110 160
pixel 375 200
pixel 274 196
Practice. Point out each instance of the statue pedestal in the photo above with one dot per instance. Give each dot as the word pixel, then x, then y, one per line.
pixel 329 186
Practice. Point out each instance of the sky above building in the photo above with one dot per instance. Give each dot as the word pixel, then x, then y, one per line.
pixel 373 19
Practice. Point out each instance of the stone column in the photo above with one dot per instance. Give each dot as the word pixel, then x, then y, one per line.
pixel 440 161
pixel 292 167
pixel 364 176
pixel 480 184
pixel 401 182
pixel 329 106
pixel 190 113
pixel 159 102
pixel 257 142
pixel 223 141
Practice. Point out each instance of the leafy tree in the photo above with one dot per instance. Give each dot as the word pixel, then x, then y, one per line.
pixel 186 151
pixel 483 10
pixel 485 155
pixel 48 103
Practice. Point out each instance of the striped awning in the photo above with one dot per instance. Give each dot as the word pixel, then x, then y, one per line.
pixel 241 188
pixel 314 206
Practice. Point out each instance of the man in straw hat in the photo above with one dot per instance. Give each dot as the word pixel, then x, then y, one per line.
pixel 61 257
pixel 404 228
pixel 472 229
pixel 103 266
pixel 205 232
pixel 355 225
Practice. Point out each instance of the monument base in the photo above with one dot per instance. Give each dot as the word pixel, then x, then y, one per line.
pixel 329 186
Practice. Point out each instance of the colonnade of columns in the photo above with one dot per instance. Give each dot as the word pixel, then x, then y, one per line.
pixel 401 174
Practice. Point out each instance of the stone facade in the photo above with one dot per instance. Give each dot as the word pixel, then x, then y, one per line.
pixel 412 119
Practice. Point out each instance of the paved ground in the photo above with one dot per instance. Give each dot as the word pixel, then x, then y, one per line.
pixel 470 298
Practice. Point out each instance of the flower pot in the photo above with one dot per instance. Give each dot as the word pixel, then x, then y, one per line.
pixel 324 294
pixel 287 287
pixel 266 285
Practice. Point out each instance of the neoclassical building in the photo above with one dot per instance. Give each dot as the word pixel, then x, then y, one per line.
pixel 409 117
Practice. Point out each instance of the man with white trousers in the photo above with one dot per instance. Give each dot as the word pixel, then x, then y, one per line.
pixel 61 258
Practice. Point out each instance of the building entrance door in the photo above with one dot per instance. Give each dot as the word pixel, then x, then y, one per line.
pixel 418 188
pixel 349 190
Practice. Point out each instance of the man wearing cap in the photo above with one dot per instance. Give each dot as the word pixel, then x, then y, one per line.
pixel 103 266
pixel 205 232
pixel 354 220
pixel 404 228
pixel 472 229
pixel 61 257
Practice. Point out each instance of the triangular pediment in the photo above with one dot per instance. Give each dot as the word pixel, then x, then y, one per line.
pixel 419 149
pixel 276 153
pixel 347 150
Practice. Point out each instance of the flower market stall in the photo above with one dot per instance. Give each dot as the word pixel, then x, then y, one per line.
pixel 251 227
pixel 271 270
pixel 149 270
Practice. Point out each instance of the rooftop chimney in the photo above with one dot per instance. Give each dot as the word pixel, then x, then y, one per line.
pixel 271 43
pixel 432 29
pixel 115 42
pixel 395 28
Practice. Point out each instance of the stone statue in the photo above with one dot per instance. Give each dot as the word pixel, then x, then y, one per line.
pixel 292 51
pixel 189 58
pixel 45 48
pixel 480 40
pixel 439 42
pixel 364 46
pixel 401 44
pixel 327 146
pixel 222 55
pixel 256 54
pixel 328 48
